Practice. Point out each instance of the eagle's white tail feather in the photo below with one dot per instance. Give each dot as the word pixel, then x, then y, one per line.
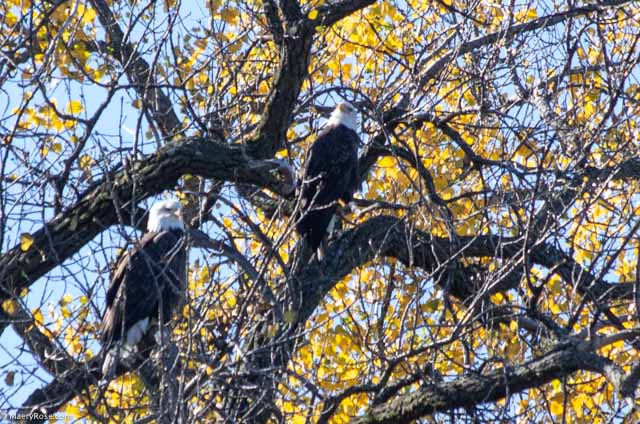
pixel 137 331
pixel 320 253
pixel 331 225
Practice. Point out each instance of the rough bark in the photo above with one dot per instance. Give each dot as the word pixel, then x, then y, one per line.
pixel 478 389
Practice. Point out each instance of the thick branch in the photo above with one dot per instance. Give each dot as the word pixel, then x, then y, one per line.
pixel 64 388
pixel 473 390
pixel 295 53
pixel 331 13
pixel 65 234
pixel 392 237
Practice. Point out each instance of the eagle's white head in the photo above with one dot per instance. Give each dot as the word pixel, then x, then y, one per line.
pixel 344 114
pixel 165 215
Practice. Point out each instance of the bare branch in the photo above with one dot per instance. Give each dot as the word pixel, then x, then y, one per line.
pixel 138 71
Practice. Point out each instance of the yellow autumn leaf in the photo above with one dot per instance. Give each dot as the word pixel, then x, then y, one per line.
pixel 88 16
pixel 229 15
pixel 66 299
pixel 26 241
pixel 10 306
pixel 589 109
pixel 72 411
pixel 75 346
pixel 288 407
pixel 299 419
pixel 313 15
pixel 497 298
pixel 387 162
pixel 74 107
pixel 532 14
pixel 352 374
pixel 66 313
pixel 321 373
pixel 557 408
pixel 576 404
pixel 37 316
pixel 85 162
pixel 555 307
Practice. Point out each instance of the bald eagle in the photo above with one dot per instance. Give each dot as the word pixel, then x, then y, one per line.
pixel 147 284
pixel 330 174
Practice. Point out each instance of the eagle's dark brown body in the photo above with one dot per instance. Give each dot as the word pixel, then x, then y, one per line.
pixel 330 175
pixel 148 284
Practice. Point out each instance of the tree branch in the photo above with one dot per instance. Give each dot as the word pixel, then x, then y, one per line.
pixel 473 390
pixel 295 53
pixel 66 233
pixel 543 22
pixel 329 14
pixel 392 237
pixel 138 71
